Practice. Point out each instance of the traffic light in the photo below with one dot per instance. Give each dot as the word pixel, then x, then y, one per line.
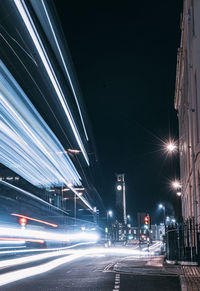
pixel 147 220
pixel 22 221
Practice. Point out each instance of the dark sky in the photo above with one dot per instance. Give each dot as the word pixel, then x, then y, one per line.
pixel 125 59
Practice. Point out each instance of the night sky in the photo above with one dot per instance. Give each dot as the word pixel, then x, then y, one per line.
pixel 125 54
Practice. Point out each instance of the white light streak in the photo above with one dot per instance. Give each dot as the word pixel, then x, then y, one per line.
pixel 21 6
pixel 37 270
pixel 65 67
pixel 44 235
pixel 26 140
pixel 12 242
pixel 42 250
pixel 32 271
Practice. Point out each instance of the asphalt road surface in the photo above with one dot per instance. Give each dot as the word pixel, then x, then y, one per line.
pixel 104 272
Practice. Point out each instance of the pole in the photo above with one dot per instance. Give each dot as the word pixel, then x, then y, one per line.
pixel 124 203
pixel 75 209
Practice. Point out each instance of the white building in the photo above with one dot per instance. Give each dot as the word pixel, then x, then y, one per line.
pixel 187 103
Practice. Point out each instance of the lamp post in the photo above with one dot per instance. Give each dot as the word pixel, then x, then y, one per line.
pixel 109 215
pixel 161 206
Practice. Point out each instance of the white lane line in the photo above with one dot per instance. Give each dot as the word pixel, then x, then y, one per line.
pixel 38 270
pixel 117 282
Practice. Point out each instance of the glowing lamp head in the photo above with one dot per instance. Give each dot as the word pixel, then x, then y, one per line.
pixel 178 193
pixel 161 206
pixel 176 184
pixel 119 187
pixel 171 147
pixel 110 213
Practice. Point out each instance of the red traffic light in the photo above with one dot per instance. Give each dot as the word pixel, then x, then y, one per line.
pixel 147 220
pixel 22 221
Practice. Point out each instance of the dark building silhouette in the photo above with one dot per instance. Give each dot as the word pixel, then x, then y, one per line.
pixel 120 199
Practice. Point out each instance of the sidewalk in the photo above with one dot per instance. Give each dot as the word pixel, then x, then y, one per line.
pixel 190 278
pixel 150 271
pixel 189 275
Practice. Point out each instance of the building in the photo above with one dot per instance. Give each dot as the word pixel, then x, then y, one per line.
pixel 187 103
pixel 155 233
pixel 121 199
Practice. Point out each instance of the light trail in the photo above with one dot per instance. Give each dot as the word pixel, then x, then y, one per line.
pixel 21 240
pixel 19 233
pixel 27 141
pixel 34 219
pixel 11 242
pixel 45 267
pixel 28 194
pixel 66 69
pixel 33 271
pixel 21 6
pixel 41 250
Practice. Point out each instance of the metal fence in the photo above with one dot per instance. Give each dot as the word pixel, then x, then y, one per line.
pixel 183 242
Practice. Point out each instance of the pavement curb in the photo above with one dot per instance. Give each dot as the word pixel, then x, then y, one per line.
pixel 170 262
pixel 181 263
pixel 185 263
pixel 183 283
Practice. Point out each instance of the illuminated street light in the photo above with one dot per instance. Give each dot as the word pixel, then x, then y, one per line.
pixel 176 184
pixel 178 193
pixel 161 206
pixel 171 147
pixel 110 213
pixel 128 216
pixel 119 187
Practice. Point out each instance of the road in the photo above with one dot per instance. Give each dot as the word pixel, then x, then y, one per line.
pixel 99 269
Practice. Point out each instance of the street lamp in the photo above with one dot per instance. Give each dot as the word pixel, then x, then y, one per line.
pixel 178 193
pixel 176 184
pixel 171 147
pixel 161 206
pixel 109 214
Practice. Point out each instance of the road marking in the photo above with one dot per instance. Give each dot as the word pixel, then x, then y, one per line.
pixel 117 282
pixel 107 268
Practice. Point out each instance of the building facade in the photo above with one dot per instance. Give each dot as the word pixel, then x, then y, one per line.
pixel 187 103
pixel 121 199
